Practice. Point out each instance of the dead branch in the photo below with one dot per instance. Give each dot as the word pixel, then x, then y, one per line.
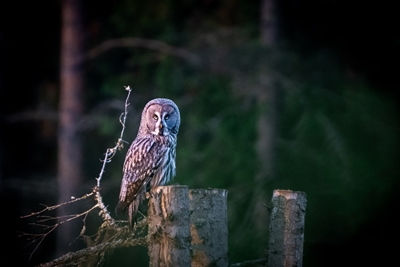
pixel 121 237
pixel 33 238
pixel 109 225
pixel 48 208
pixel 74 258
pixel 143 43
pixel 110 153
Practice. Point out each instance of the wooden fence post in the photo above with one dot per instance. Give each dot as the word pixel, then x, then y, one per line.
pixel 169 229
pixel 209 227
pixel 286 229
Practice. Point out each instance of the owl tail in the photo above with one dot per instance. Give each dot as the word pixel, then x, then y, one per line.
pixel 120 208
pixel 132 211
pixel 133 208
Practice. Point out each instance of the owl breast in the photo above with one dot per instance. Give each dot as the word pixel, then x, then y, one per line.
pixel 166 166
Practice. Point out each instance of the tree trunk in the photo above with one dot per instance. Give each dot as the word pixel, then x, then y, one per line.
pixel 70 111
pixel 169 229
pixel 267 99
pixel 209 227
pixel 267 96
pixel 286 236
pixel 268 22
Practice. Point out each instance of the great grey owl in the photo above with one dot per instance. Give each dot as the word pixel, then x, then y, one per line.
pixel 150 160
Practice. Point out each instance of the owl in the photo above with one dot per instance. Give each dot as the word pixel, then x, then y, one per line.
pixel 150 160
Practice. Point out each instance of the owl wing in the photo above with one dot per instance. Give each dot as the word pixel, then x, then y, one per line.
pixel 141 162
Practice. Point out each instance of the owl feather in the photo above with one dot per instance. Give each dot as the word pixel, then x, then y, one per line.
pixel 150 160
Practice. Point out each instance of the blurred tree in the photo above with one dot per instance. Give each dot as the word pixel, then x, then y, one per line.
pixel 267 98
pixel 69 169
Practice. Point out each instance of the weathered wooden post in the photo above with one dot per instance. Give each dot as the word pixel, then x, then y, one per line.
pixel 287 229
pixel 209 227
pixel 169 229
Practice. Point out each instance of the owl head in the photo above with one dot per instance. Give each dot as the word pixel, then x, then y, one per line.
pixel 161 117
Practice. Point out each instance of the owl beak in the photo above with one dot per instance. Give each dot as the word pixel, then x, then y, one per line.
pixel 160 125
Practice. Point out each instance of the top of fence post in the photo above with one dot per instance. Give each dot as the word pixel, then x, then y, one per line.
pixel 287 229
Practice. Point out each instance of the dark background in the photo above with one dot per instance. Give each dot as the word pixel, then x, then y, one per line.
pixel 335 66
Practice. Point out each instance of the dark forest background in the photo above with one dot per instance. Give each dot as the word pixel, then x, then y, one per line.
pixel 311 107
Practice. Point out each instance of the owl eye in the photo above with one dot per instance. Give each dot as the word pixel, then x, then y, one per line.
pixel 166 117
pixel 155 117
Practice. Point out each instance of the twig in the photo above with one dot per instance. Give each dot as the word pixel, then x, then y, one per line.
pixel 40 237
pixel 48 208
pixel 110 153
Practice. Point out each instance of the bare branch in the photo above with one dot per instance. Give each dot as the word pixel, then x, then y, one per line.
pixel 48 208
pixel 110 153
pixel 144 43
pixel 122 237
pixel 50 228
pixel 108 224
pixel 73 258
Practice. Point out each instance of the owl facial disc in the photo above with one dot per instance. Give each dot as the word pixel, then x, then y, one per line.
pixel 160 126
